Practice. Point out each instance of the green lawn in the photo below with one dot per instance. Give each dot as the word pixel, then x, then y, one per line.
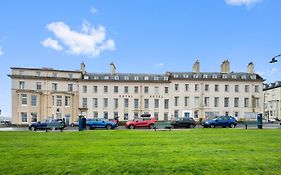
pixel 196 151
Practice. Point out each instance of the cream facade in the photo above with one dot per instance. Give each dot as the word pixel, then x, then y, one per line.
pixel 272 100
pixel 39 94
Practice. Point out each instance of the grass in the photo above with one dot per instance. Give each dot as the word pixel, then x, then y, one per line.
pixel 197 151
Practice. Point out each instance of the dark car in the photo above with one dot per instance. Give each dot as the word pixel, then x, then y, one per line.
pixel 92 123
pixel 52 124
pixel 222 121
pixel 183 123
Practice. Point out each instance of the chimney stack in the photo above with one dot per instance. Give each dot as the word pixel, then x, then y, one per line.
pixel 251 68
pixel 112 69
pixel 196 67
pixel 82 68
pixel 225 66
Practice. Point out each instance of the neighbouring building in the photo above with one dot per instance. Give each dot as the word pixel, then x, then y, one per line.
pixel 41 93
pixel 272 100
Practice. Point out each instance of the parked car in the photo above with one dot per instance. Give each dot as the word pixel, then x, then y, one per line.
pixel 141 122
pixel 52 124
pixel 222 121
pixel 5 123
pixel 92 123
pixel 183 122
pixel 75 123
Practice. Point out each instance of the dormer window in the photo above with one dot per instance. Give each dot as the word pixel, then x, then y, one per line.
pixel 126 77
pixel 96 77
pixel 21 84
pixel 205 76
pixel 136 78
pixel 224 76
pixel 146 78
pixel 176 75
pixel 243 77
pixel 195 76
pixel 116 77
pixel 106 77
pixel 253 77
pixel 185 75
pixel 156 78
pixel 233 76
pixel 166 78
pixel 214 76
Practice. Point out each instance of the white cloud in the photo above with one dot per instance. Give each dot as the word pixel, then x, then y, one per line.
pixel 90 41
pixel 159 65
pixel 1 51
pixel 49 42
pixel 94 10
pixel 273 71
pixel 247 3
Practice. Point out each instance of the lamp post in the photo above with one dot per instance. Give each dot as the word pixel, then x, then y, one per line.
pixel 273 60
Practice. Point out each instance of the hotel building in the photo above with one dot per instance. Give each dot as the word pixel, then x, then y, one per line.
pixel 41 93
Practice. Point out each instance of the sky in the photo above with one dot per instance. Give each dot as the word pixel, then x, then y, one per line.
pixel 138 36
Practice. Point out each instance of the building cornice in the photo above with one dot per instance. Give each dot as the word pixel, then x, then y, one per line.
pixel 44 69
pixel 42 78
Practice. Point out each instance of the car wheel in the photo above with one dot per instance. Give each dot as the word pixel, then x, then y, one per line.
pixel 192 126
pixel 212 126
pixel 232 125
pixel 53 128
pixel 131 127
pixel 108 127
pixel 72 125
pixel 33 128
pixel 88 127
pixel 151 126
pixel 187 126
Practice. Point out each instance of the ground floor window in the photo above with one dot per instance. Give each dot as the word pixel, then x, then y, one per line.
pixel 96 114
pixel 176 113
pixel 236 114
pixel 23 117
pixel 105 115
pixel 136 115
pixel 166 116
pixel 126 116
pixel 196 113
pixel 156 115
pixel 33 117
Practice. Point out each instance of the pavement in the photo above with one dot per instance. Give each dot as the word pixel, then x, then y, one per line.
pixel 69 128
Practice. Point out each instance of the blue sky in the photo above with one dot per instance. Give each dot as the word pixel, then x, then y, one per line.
pixel 138 36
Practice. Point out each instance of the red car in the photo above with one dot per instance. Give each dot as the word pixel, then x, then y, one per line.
pixel 141 122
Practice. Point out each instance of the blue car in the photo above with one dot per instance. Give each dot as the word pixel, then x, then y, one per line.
pixel 222 121
pixel 52 124
pixel 100 123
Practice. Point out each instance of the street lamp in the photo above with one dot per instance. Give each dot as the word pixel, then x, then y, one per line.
pixel 274 59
